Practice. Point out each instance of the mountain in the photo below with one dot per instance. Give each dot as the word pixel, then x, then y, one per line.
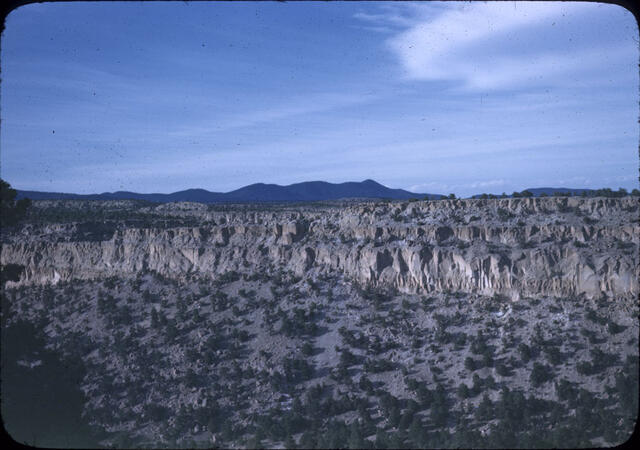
pixel 254 193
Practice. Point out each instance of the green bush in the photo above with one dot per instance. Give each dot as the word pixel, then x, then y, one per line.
pixel 540 374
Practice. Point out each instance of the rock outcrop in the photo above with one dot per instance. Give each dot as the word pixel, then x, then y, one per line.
pixel 515 247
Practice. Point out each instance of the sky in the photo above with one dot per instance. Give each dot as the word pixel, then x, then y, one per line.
pixel 432 97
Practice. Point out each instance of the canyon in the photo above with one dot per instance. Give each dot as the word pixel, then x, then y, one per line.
pixel 359 323
pixel 514 247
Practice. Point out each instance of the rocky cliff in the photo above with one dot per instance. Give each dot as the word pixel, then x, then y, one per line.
pixel 515 247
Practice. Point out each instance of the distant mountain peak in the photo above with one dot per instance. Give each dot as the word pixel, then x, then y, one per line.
pixel 307 191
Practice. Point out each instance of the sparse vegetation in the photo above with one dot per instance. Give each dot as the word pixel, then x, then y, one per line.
pixel 256 354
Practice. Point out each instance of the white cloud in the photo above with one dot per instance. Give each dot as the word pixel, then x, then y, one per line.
pixel 431 186
pixel 473 44
pixel 376 29
pixel 389 19
pixel 440 187
pixel 548 68
pixel 486 183
pixel 422 46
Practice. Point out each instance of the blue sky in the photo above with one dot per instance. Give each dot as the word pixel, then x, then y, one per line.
pixel 432 97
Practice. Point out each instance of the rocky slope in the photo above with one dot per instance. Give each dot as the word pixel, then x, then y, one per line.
pixel 515 247
pixel 326 325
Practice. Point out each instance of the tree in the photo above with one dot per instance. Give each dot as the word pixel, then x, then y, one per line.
pixel 406 419
pixel 525 352
pixel 307 440
pixel 469 364
pixel 452 196
pixel 355 436
pixel 540 374
pixel 463 391
pixel 485 408
pixel 365 384
pixel 10 272
pixel 394 416
pixel 256 440
pixel 487 358
pixel 11 211
pixel 307 349
pixel 289 443
pixel 439 406
pixel 416 431
pixel 381 439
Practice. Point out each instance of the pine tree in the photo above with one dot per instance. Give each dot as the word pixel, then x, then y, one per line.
pixel 394 417
pixel 155 322
pixel 416 431
pixel 11 211
pixel 307 440
pixel 381 439
pixel 355 436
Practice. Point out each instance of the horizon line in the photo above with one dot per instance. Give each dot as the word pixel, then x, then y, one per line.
pixel 313 181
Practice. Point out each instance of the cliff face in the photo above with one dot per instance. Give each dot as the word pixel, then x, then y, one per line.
pixel 516 247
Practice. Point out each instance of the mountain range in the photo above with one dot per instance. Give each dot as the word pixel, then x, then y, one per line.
pixel 308 191
pixel 254 193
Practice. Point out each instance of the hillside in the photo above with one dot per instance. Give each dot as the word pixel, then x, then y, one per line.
pixel 455 323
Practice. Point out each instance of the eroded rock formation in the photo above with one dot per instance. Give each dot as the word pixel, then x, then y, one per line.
pixel 516 247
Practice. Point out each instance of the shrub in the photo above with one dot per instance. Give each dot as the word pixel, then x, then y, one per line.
pixel 470 364
pixel 463 391
pixel 540 374
pixel 503 370
pixel 503 214
pixel 614 328
pixel 525 352
pixel 485 409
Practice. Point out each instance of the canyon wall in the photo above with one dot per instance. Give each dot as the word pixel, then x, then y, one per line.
pixel 515 247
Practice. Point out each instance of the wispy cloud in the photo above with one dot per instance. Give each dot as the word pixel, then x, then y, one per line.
pixel 439 187
pixel 473 44
pixel 487 183
pixel 394 18
pixel 311 104
pixel 544 68
pixel 423 45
